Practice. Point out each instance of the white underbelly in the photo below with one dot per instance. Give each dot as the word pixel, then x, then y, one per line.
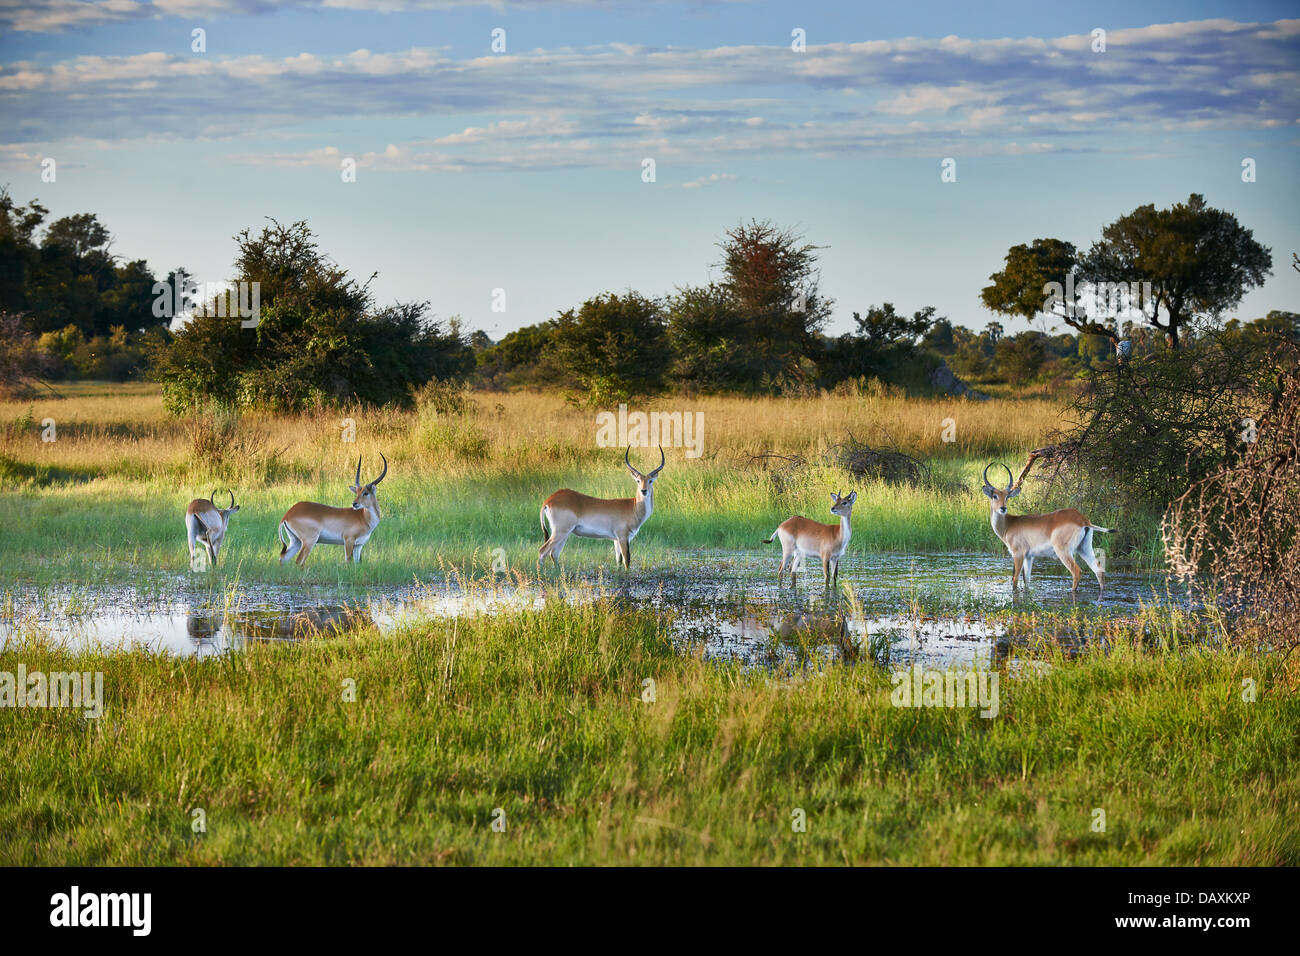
pixel 329 537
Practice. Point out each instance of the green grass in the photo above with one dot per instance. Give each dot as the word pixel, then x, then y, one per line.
pixel 540 713
pixel 110 530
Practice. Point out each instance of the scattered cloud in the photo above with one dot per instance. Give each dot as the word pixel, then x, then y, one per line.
pixel 689 108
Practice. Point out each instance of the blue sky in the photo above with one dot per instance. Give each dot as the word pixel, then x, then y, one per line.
pixel 522 171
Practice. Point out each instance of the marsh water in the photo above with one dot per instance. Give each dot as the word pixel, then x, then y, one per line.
pixel 930 608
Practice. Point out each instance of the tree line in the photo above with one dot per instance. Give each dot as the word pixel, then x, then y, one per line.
pixel 71 308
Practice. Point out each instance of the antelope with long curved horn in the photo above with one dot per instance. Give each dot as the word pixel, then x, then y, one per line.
pixel 1063 533
pixel 613 519
pixel 307 523
pixel 205 524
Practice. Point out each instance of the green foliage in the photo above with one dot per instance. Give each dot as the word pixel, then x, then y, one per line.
pixel 1198 259
pixel 612 347
pixel 67 275
pixel 318 341
pixel 1021 357
pixel 707 332
pixel 1151 427
pixel 520 358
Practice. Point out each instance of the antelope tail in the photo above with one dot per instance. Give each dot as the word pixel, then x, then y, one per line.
pixel 284 539
pixel 541 516
pixel 772 538
pixel 1093 527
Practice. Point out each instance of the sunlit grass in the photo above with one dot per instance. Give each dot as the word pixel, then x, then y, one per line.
pixel 540 714
pixel 106 499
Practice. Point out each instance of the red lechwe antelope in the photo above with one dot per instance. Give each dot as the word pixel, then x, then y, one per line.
pixel 802 538
pixel 205 524
pixel 307 523
pixel 614 519
pixel 1062 533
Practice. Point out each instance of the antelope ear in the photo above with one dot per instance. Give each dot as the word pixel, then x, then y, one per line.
pixel 355 489
pixel 988 491
pixel 232 510
pixel 835 499
pixel 853 496
pixel 1013 492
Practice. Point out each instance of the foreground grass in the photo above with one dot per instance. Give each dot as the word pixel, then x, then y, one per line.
pixel 105 501
pixel 539 713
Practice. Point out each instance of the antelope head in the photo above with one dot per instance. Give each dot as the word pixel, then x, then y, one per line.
pixel 842 505
pixel 998 497
pixel 644 483
pixel 365 494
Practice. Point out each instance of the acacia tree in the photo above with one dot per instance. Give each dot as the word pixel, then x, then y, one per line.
pixel 1198 260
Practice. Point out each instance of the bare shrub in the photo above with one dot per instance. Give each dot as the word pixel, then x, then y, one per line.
pixel 21 362
pixel 226 445
pixel 1234 536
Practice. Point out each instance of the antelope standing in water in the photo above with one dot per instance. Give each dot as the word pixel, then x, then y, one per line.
pixel 205 524
pixel 1062 533
pixel 307 523
pixel 801 538
pixel 614 519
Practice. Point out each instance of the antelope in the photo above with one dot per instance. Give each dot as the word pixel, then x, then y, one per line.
pixel 802 538
pixel 307 523
pixel 1063 533
pixel 613 519
pixel 205 524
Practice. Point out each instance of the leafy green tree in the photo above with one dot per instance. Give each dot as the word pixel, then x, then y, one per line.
pixel 1199 261
pixel 18 249
pixel 707 335
pixel 612 347
pixel 318 339
pixel 939 338
pixel 1021 357
pixel 882 346
pixel 520 358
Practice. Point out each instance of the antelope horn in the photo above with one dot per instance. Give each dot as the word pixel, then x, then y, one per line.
pixel 627 461
pixel 1011 479
pixel 232 498
pixel 662 461
pixel 385 471
pixel 987 483
pixel 212 496
pixel 357 482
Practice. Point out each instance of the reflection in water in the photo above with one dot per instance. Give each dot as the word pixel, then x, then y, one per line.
pixel 215 631
pixel 722 605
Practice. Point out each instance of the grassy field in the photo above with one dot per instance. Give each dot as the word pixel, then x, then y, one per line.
pixel 105 500
pixel 540 714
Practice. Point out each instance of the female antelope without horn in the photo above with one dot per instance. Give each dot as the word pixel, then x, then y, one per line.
pixel 801 538
pixel 307 523
pixel 205 524
pixel 614 519
pixel 1062 533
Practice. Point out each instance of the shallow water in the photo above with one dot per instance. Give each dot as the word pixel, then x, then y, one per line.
pixel 929 608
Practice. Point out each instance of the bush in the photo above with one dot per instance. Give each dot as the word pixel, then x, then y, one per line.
pixel 1235 535
pixel 318 341
pixel 1163 421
